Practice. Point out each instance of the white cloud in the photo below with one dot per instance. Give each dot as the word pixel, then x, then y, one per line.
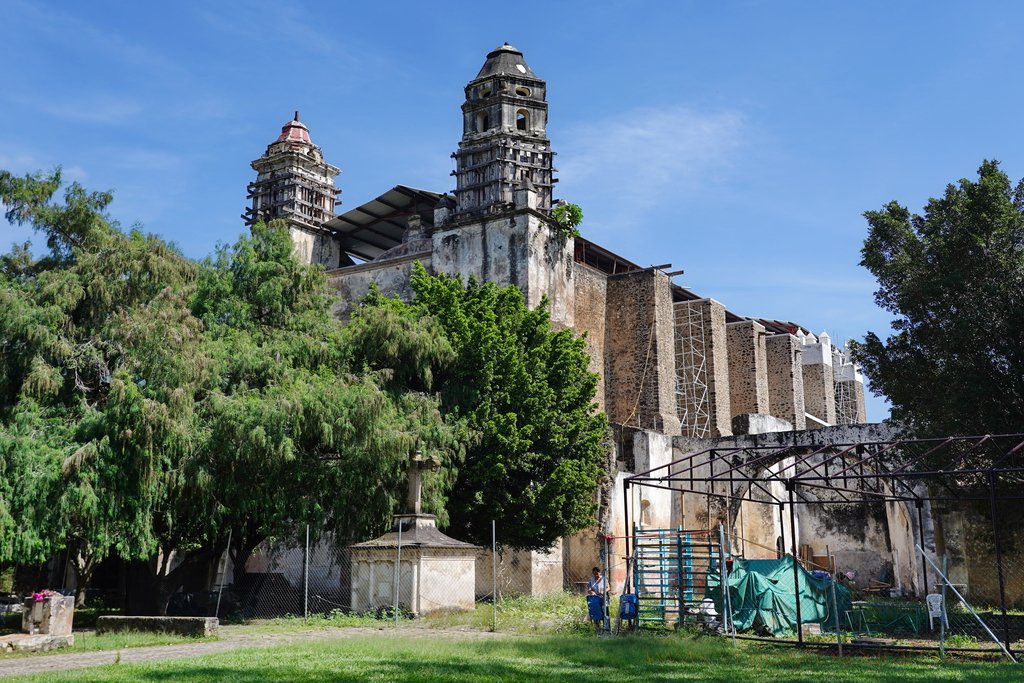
pixel 629 163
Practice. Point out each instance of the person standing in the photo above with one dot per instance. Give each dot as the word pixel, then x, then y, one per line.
pixel 597 585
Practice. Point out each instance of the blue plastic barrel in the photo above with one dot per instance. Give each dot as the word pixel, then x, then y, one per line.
pixel 595 605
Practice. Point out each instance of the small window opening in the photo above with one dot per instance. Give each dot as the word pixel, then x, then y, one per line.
pixel 523 91
pixel 522 120
pixel 483 122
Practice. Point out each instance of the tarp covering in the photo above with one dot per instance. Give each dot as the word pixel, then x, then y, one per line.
pixel 764 599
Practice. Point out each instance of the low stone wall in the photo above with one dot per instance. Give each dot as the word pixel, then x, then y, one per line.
pixel 185 626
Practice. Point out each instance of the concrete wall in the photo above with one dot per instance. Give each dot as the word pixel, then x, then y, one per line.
pixel 392 276
pixel 702 368
pixel 785 379
pixel 521 572
pixel 640 382
pixel 446 583
pixel 591 295
pixel 748 367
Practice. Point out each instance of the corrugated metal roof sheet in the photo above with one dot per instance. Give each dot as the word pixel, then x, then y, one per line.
pixel 368 230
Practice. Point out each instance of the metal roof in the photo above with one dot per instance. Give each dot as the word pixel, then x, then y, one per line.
pixel 368 230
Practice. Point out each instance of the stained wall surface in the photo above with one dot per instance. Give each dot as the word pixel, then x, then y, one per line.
pixel 590 316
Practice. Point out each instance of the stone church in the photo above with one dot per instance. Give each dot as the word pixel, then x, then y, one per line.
pixel 678 369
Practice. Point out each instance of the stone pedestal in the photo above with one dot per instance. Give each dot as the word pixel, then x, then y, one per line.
pixel 50 616
pixel 435 572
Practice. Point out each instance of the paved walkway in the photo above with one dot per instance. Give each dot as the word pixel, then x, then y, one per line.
pixel 53 662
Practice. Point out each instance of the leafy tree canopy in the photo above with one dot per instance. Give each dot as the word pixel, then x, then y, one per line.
pixel 954 278
pixel 148 402
pixel 522 390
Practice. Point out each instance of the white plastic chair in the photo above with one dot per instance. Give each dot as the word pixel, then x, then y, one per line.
pixel 935 610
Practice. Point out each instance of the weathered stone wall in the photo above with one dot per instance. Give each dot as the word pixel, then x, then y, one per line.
pixel 185 626
pixel 591 296
pixel 640 382
pixel 514 248
pixel 315 247
pixel 748 367
pixel 392 276
pixel 702 368
pixel 964 535
pixel 785 379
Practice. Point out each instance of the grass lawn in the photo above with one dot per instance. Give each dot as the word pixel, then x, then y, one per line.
pixel 424 656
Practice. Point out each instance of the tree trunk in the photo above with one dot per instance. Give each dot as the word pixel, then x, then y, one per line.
pixel 84 563
pixel 166 583
pixel 242 549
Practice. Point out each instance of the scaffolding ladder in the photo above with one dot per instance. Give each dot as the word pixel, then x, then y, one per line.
pixel 670 570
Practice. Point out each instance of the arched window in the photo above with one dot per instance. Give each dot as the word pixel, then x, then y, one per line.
pixel 522 120
pixel 523 91
pixel 483 122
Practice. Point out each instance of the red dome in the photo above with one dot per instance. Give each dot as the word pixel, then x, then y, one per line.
pixel 295 131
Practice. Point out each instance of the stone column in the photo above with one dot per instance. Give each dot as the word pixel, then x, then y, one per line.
pixel 640 385
pixel 849 394
pixel 785 379
pixel 748 368
pixel 702 369
pixel 819 391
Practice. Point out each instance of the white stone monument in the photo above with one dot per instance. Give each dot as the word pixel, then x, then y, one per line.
pixel 434 571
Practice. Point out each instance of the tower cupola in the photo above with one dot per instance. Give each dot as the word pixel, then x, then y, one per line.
pixel 295 182
pixel 504 136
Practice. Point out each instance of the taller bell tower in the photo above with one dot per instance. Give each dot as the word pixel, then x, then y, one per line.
pixel 504 142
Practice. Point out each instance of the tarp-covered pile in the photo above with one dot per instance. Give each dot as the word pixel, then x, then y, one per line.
pixel 764 599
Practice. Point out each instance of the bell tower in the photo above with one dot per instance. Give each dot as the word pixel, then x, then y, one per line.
pixel 504 142
pixel 295 182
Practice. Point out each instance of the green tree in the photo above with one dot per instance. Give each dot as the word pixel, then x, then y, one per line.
pixel 293 435
pixel 954 278
pixel 522 393
pixel 99 352
pixel 149 404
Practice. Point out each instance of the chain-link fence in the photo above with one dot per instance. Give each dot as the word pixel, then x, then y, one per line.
pixel 416 576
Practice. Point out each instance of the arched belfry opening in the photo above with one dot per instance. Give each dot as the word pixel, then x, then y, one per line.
pixel 505 141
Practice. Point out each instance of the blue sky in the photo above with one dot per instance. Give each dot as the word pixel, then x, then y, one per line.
pixel 740 141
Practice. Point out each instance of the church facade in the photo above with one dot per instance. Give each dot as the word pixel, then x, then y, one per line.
pixel 678 369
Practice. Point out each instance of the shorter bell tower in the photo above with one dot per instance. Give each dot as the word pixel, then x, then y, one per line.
pixel 294 182
pixel 504 142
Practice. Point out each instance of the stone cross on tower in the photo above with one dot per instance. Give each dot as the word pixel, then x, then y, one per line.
pixel 417 463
